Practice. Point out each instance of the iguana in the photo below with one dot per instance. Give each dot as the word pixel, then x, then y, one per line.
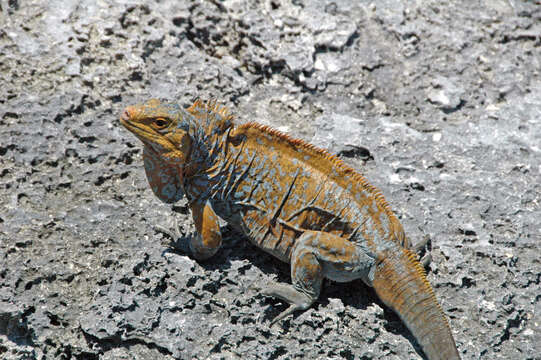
pixel 294 201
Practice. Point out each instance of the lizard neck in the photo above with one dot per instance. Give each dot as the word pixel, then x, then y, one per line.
pixel 206 130
pixel 208 155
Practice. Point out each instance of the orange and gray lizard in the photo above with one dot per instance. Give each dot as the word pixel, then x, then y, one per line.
pixel 294 201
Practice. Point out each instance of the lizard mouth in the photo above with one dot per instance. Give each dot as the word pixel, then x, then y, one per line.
pixel 143 133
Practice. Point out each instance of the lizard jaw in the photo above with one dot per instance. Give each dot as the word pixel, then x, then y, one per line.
pixel 149 138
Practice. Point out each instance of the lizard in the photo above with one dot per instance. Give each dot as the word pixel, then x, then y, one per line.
pixel 294 201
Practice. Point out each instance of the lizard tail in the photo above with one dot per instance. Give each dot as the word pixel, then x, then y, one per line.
pixel 400 282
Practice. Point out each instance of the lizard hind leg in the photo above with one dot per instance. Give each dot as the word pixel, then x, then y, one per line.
pixel 314 256
pixel 307 276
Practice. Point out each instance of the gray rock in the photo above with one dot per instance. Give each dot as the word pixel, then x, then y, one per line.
pixel 445 94
pixel 337 133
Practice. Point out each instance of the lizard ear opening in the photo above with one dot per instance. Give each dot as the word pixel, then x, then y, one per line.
pixel 182 142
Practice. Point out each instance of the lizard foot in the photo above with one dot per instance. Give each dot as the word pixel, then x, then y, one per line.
pixel 420 247
pixel 178 242
pixel 297 299
pixel 426 260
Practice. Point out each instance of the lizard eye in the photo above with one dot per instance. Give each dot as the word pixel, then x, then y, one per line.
pixel 159 123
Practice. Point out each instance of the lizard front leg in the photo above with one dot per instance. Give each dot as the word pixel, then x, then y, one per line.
pixel 208 238
pixel 317 255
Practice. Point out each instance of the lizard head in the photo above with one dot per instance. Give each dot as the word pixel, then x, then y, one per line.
pixel 161 128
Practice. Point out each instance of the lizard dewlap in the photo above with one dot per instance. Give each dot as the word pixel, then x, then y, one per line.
pixel 292 200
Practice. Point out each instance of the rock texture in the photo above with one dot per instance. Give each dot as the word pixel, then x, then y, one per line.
pixel 439 105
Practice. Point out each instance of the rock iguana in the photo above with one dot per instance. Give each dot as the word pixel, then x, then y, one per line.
pixel 294 201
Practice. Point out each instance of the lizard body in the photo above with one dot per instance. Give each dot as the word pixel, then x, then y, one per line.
pixel 294 201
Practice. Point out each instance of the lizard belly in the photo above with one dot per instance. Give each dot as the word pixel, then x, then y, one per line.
pixel 271 236
pixel 268 235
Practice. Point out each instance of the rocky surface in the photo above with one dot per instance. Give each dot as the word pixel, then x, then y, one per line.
pixel 439 105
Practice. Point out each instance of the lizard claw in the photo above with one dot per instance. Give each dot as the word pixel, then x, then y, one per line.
pixel 292 308
pixel 418 249
pixel 166 232
pixel 297 300
pixel 177 240
pixel 426 260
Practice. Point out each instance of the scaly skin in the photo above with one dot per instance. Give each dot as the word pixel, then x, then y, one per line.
pixel 292 200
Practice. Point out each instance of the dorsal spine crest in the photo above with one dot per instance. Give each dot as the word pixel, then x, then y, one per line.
pixel 212 111
pixel 323 154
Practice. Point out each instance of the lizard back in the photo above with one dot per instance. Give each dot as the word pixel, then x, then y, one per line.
pixel 274 188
